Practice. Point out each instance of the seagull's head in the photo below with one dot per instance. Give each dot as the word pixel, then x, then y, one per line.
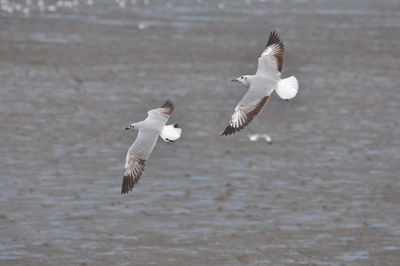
pixel 130 126
pixel 243 79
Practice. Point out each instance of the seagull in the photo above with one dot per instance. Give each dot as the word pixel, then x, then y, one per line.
pixel 261 85
pixel 149 130
pixel 255 137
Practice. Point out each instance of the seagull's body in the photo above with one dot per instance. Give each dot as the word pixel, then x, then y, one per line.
pixel 149 130
pixel 261 85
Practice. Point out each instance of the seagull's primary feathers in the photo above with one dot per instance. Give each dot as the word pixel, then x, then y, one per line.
pixel 261 85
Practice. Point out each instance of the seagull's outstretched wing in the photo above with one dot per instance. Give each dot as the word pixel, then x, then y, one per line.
pixel 167 107
pixel 160 115
pixel 252 103
pixel 271 60
pixel 136 158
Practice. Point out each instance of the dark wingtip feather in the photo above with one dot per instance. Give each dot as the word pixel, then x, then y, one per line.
pixel 132 177
pixel 127 184
pixel 168 104
pixel 229 130
pixel 274 39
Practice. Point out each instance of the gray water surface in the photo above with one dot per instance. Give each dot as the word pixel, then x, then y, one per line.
pixel 325 192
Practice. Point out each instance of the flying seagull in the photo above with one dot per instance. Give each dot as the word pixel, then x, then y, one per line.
pixel 149 130
pixel 261 85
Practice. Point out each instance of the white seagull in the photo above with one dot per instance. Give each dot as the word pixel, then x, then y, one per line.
pixel 255 137
pixel 149 130
pixel 261 85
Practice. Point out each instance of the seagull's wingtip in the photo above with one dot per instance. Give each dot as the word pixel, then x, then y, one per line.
pixel 229 130
pixel 274 38
pixel 168 107
pixel 127 184
pixel 167 104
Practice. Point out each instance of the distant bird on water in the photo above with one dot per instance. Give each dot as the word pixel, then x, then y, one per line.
pixel 255 137
pixel 149 130
pixel 261 85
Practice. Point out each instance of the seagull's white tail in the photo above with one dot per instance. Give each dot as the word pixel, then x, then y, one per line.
pixel 171 133
pixel 287 88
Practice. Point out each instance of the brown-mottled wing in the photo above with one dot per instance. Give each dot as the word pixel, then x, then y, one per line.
pixel 137 156
pixel 244 114
pixel 272 58
pixel 133 171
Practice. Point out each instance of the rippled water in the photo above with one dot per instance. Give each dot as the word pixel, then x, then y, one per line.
pixel 325 192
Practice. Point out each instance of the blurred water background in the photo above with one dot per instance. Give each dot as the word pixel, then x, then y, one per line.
pixel 75 73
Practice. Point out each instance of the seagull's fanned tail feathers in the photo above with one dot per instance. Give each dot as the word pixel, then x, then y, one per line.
pixel 171 133
pixel 287 88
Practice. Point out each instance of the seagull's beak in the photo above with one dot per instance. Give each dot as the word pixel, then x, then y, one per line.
pixel 235 80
